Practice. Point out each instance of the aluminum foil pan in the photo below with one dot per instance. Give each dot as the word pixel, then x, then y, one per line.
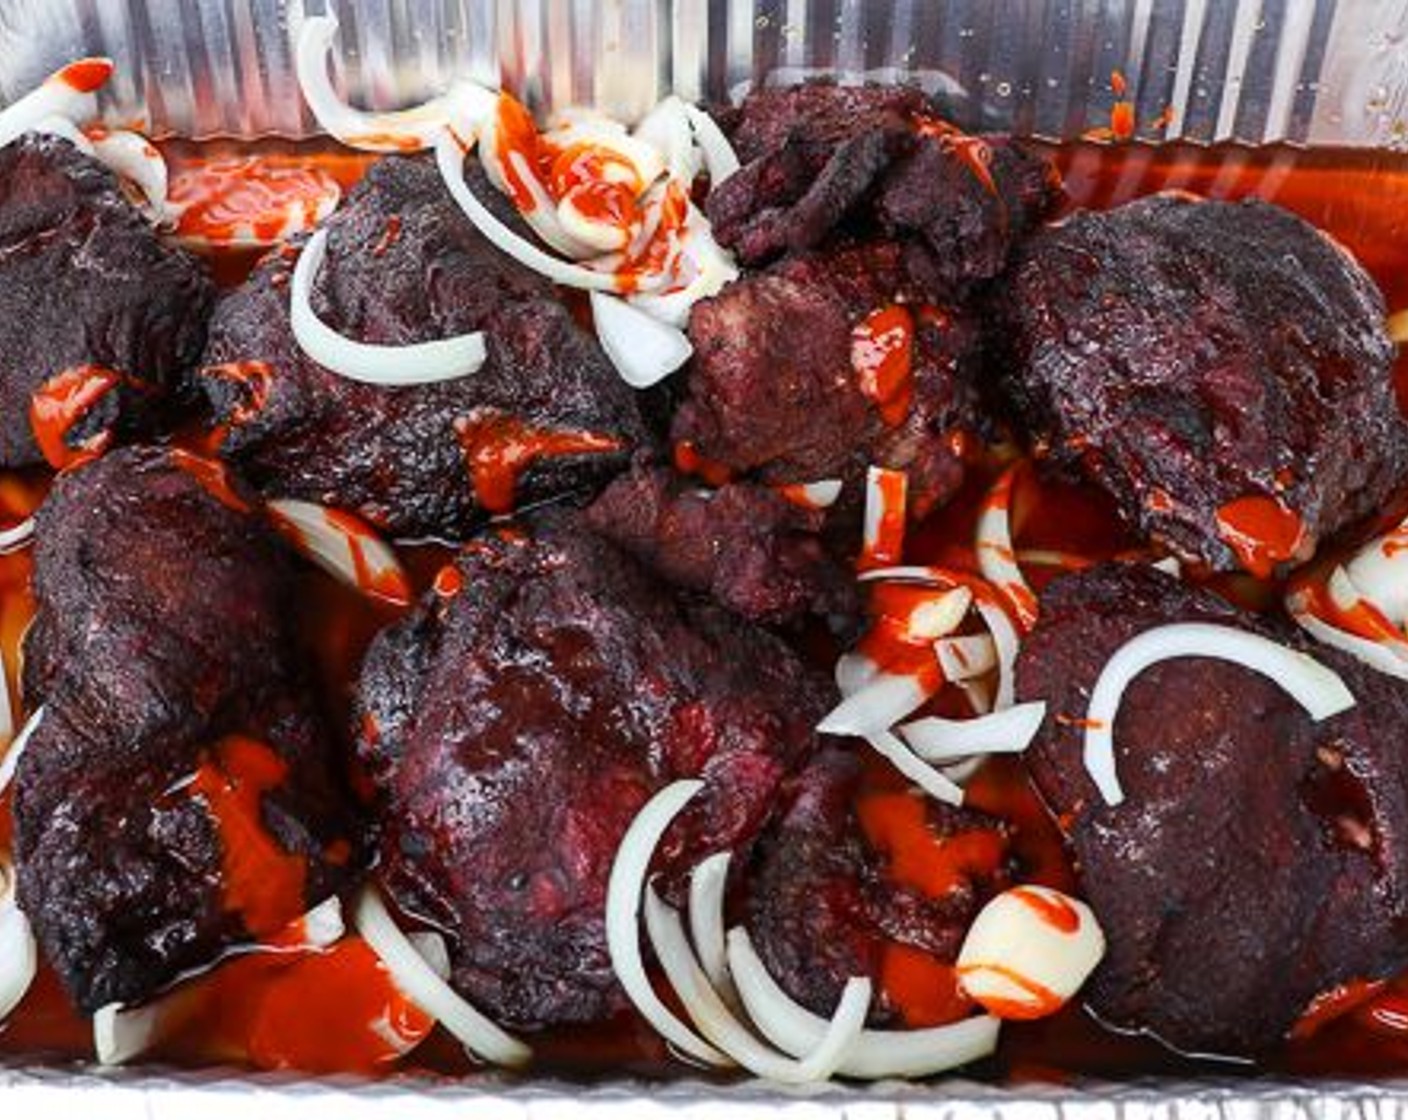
pixel 1313 72
pixel 1323 72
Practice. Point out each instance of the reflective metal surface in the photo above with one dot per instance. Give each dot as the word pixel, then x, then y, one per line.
pixel 1308 71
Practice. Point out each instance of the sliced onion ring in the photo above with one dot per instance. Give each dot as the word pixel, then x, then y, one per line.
pixel 19 956
pixel 449 155
pixel 58 96
pixel 719 1025
pixel 1009 731
pixel 966 656
pixel 1318 689
pixel 719 156
pixel 344 546
pixel 421 363
pixel 133 157
pixel 407 130
pixel 933 782
pixel 1387 655
pixel 880 702
pixel 707 884
pixel 875 1054
pixel 418 981
pixel 623 901
pixel 644 350
pixel 997 559
pixel 11 761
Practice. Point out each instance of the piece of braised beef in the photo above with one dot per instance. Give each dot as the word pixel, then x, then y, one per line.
pixel 821 160
pixel 517 721
pixel 1221 369
pixel 546 414
pixel 824 907
pixel 754 550
pixel 179 795
pixel 1259 859
pixel 99 320
pixel 790 385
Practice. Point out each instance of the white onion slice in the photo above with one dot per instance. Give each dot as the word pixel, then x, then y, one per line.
pixel 852 671
pixel 966 656
pixel 406 130
pixel 421 363
pixel 713 268
pixel 719 156
pixel 449 154
pixel 418 981
pixel 1009 731
pixel 1006 641
pixel 718 1024
pixel 879 516
pixel 707 884
pixel 11 761
pixel 960 770
pixel 623 901
pixel 933 782
pixel 1170 565
pixel 1319 690
pixel 821 494
pixel 1029 951
pixel 1378 572
pixel 644 350
pixel 879 703
pixel 1377 655
pixel 58 96
pixel 667 129
pixel 542 215
pixel 345 547
pixel 19 956
pixel 876 1054
pixel 996 558
pixel 134 157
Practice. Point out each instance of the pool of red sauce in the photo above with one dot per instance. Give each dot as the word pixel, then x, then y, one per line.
pixel 308 1012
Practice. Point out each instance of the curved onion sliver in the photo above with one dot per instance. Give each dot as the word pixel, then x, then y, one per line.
pixel 68 93
pixel 623 902
pixel 875 1054
pixel 419 364
pixel 1318 689
pixel 406 130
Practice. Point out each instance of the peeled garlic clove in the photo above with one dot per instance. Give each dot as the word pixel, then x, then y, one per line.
pixel 1029 951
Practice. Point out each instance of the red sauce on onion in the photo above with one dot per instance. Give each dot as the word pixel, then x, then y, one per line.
pixel 87 75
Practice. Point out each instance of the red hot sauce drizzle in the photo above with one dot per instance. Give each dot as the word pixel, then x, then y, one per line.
pixel 262 883
pixel 499 448
pixel 882 355
pixel 1263 532
pixel 60 403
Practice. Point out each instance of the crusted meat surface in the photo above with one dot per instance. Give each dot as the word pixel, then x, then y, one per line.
pixel 84 282
pixel 820 159
pixel 1259 859
pixel 546 414
pixel 1188 355
pixel 778 346
pixel 515 727
pixel 823 907
pixel 161 651
pixel 749 547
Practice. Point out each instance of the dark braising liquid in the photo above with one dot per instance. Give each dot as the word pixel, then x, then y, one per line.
pixel 253 1009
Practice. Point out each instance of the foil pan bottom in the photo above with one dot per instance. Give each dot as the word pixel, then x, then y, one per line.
pixel 79 1093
